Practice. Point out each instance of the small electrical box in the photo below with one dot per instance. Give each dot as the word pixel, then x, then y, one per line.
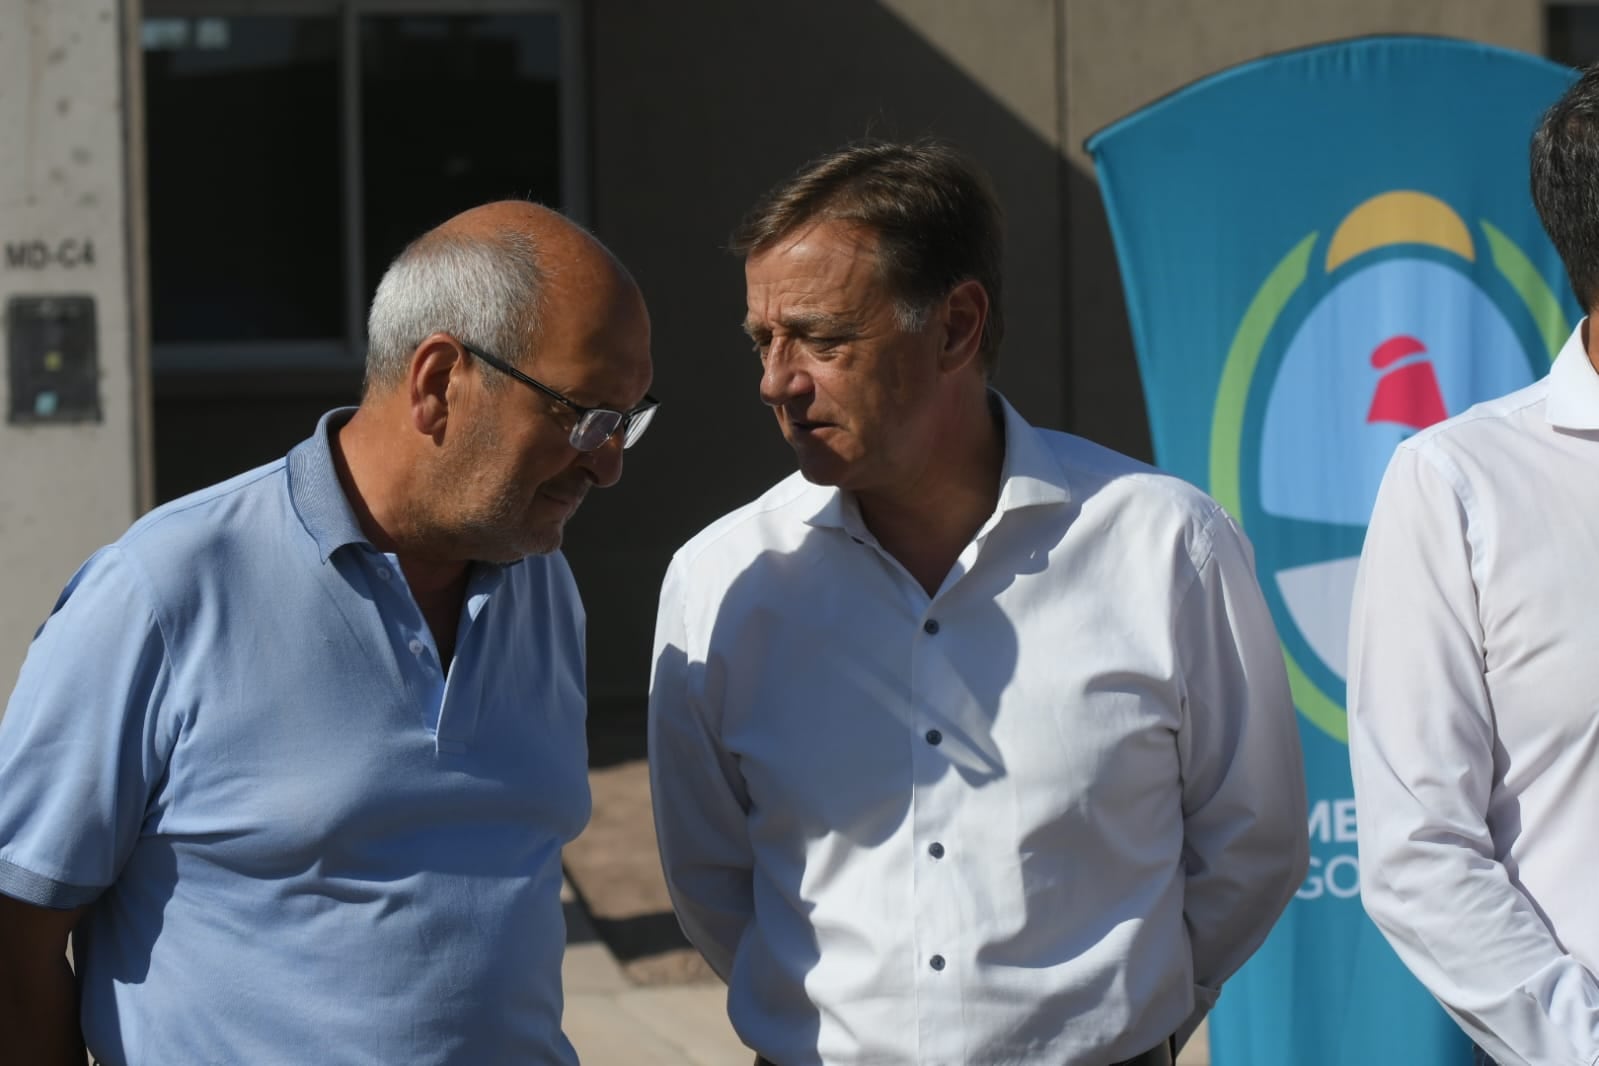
pixel 52 354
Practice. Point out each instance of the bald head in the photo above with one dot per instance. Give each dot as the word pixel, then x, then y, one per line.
pixel 488 277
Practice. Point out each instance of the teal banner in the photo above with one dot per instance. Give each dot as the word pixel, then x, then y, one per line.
pixel 1323 252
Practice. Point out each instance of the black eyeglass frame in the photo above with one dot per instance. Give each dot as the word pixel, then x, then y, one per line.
pixel 639 416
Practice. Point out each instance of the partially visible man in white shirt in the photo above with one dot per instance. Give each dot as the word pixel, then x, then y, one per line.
pixel 1474 677
pixel 971 742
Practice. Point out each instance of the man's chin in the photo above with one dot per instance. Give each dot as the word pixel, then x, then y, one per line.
pixel 829 470
pixel 825 478
pixel 541 542
pixel 821 468
pixel 545 544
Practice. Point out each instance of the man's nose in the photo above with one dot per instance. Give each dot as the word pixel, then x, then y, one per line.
pixel 604 464
pixel 782 379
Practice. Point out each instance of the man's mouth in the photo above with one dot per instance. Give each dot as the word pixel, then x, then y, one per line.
pixel 567 497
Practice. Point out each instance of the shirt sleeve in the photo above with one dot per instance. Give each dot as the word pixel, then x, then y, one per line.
pixel 699 796
pixel 1421 740
pixel 80 747
pixel 1245 842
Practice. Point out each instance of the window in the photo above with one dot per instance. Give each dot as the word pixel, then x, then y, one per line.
pixel 293 148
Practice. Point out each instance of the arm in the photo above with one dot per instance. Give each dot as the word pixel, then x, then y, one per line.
pixel 1421 740
pixel 1245 842
pixel 38 993
pixel 78 750
pixel 699 797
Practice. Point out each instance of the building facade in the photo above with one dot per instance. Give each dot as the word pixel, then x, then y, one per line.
pixel 207 190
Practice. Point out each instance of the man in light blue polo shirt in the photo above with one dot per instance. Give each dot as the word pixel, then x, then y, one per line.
pixel 295 757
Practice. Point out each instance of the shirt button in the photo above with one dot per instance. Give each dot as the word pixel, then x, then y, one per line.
pixel 936 962
pixel 934 737
pixel 936 850
pixel 383 572
pixel 416 647
pixel 930 627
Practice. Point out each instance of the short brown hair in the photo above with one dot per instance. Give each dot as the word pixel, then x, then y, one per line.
pixel 936 220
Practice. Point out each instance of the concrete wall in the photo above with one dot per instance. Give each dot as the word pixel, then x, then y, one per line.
pixel 64 183
pixel 694 109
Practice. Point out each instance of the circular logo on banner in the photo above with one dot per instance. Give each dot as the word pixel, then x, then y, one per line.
pixel 1403 317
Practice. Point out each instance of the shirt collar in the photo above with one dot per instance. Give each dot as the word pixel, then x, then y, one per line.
pixel 1030 476
pixel 315 492
pixel 1573 399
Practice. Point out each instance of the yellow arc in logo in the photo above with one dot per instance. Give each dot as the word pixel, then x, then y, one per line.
pixel 1399 217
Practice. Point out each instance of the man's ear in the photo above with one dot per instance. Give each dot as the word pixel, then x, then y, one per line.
pixel 964 311
pixel 435 364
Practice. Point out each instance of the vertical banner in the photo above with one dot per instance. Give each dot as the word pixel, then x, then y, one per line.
pixel 1323 252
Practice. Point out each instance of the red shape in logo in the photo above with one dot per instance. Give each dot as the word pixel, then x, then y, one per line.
pixel 1409 395
pixel 1394 349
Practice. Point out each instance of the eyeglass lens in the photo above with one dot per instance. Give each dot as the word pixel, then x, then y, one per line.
pixel 596 427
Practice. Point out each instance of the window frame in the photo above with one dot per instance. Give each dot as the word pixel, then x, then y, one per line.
pixel 348 352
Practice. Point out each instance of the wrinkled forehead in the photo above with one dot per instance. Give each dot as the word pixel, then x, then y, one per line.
pixel 826 266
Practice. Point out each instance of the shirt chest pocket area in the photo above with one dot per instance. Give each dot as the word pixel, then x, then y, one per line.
pixel 1096 779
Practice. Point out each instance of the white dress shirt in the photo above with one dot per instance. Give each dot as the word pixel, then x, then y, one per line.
pixel 1038 817
pixel 1474 715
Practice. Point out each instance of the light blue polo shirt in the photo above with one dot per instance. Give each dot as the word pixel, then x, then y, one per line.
pixel 303 841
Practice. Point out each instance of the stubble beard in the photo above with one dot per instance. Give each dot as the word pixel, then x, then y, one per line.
pixel 496 528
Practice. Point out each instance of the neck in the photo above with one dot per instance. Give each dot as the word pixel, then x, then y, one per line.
pixel 377 477
pixel 927 523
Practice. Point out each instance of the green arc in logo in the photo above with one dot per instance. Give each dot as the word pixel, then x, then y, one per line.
pixel 1227 441
pixel 1530 286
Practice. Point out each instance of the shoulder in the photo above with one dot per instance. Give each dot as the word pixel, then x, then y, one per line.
pixel 229 510
pixel 1107 486
pixel 773 519
pixel 1483 424
pixel 1480 431
pixel 208 544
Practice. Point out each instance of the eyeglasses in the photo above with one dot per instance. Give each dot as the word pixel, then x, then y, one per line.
pixel 595 425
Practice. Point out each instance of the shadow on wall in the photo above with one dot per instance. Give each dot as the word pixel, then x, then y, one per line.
pixel 693 111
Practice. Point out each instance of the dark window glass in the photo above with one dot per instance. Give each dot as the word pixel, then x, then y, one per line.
pixel 1572 33
pixel 456 110
pixel 242 117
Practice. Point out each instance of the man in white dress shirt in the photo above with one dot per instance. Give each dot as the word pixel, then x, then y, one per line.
pixel 971 742
pixel 1474 676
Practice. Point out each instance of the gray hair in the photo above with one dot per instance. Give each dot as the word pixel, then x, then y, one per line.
pixel 485 292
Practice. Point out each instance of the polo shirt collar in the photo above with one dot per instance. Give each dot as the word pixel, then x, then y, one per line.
pixel 315 492
pixel 1573 398
pixel 1030 476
